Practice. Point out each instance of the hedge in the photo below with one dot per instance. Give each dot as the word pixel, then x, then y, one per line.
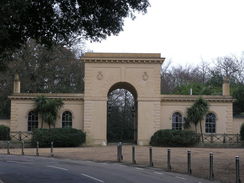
pixel 61 137
pixel 4 132
pixel 174 138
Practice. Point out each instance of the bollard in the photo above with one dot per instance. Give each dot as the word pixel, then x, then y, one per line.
pixel 150 156
pixel 133 155
pixel 37 148
pixel 238 179
pixel 52 149
pixel 22 148
pixel 211 173
pixel 8 146
pixel 189 171
pixel 168 160
pixel 119 152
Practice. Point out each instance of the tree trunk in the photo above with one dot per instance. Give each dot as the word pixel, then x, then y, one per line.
pixel 42 122
pixel 201 132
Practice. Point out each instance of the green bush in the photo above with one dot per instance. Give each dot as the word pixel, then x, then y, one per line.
pixel 61 137
pixel 242 132
pixel 174 138
pixel 4 132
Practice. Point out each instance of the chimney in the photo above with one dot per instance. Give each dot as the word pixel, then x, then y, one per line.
pixel 16 84
pixel 226 87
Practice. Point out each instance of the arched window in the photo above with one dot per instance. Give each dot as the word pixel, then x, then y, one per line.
pixel 210 123
pixel 67 119
pixel 32 120
pixel 177 122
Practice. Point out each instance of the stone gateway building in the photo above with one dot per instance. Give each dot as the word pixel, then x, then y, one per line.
pixel 137 73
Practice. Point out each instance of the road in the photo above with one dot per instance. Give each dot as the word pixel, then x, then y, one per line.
pixel 30 169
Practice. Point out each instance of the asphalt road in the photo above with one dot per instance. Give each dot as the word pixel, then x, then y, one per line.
pixel 30 169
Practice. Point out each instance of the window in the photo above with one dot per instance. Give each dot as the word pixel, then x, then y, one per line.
pixel 177 122
pixel 32 120
pixel 67 119
pixel 210 123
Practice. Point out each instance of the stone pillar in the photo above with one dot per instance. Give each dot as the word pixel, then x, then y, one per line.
pixel 16 84
pixel 226 87
pixel 148 119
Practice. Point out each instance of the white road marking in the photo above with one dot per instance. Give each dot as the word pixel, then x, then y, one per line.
pixel 93 178
pixel 19 162
pixel 158 173
pixel 180 178
pixel 121 165
pixel 13 161
pixel 60 168
pixel 139 168
pixel 1 181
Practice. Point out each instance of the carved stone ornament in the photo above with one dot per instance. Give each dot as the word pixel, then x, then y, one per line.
pixel 145 76
pixel 99 75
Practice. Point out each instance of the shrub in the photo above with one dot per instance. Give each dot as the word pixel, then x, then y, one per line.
pixel 242 132
pixel 4 132
pixel 174 138
pixel 61 137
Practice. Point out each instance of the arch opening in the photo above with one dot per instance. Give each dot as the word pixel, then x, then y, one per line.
pixel 122 113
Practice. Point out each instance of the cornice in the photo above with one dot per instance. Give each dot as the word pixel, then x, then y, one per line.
pixel 192 98
pixel 128 58
pixel 63 96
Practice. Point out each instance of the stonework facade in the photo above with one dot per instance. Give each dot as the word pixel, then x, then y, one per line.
pixel 139 73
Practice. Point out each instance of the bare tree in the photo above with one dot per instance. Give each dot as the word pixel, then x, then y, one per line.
pixel 230 67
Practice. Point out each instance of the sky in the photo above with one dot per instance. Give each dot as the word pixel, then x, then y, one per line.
pixel 185 32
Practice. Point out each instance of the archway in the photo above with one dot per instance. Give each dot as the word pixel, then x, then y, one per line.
pixel 122 113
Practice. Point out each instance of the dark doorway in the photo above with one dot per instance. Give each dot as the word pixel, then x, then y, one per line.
pixel 122 114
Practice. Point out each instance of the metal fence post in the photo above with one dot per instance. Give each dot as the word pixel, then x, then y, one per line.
pixel 150 156
pixel 211 138
pixel 22 148
pixel 52 149
pixel 168 160
pixel 237 138
pixel 224 140
pixel 211 172
pixel 238 179
pixel 37 148
pixel 133 155
pixel 189 171
pixel 19 133
pixel 8 144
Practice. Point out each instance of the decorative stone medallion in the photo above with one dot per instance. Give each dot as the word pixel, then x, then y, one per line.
pixel 99 75
pixel 145 76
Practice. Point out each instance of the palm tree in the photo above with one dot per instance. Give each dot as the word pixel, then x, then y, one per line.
pixel 48 109
pixel 40 107
pixel 196 113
